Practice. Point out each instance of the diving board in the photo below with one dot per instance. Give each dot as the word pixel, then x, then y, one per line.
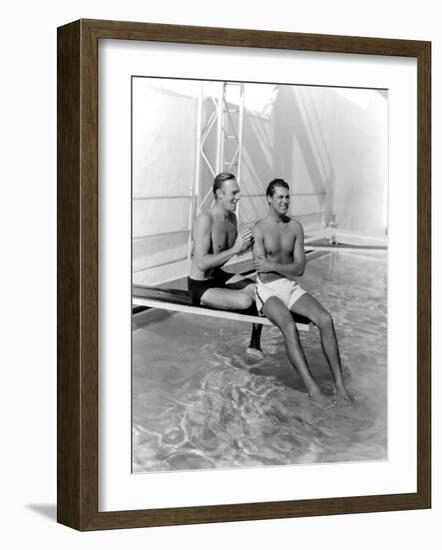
pixel 344 246
pixel 180 300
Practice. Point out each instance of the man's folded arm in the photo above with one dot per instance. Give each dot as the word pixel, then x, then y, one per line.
pixel 291 270
pixel 297 267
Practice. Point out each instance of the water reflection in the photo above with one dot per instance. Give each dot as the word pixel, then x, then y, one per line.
pixel 200 402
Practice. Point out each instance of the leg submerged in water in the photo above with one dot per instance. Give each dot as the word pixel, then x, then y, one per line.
pixel 254 348
pixel 312 309
pixel 279 314
pixel 247 287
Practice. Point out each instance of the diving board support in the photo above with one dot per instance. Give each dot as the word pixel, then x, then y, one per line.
pixel 217 313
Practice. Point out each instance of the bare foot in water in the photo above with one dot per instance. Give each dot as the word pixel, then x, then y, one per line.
pixel 255 353
pixel 343 397
pixel 322 401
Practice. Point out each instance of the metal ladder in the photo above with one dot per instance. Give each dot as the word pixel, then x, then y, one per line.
pixel 227 121
pixel 230 130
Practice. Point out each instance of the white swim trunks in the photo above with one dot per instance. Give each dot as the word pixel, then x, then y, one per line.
pixel 285 289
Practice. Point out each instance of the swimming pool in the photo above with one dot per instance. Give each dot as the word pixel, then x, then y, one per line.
pixel 200 402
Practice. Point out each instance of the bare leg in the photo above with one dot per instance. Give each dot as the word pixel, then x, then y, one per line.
pixel 232 299
pixel 311 308
pixel 226 298
pixel 254 348
pixel 277 312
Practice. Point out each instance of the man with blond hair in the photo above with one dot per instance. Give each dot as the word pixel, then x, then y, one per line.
pixel 215 241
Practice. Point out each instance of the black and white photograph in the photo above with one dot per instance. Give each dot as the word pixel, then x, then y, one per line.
pixel 169 167
pixel 259 271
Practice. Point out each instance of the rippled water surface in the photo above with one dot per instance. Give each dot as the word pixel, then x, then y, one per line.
pixel 199 401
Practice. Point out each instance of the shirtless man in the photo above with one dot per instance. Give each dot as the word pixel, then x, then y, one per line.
pixel 279 258
pixel 215 241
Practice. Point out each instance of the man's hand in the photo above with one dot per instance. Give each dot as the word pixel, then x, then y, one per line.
pixel 262 265
pixel 243 241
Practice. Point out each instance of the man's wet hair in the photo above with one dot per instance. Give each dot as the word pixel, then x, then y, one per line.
pixel 220 179
pixel 277 182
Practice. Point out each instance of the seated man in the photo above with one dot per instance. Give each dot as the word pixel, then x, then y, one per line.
pixel 279 258
pixel 215 241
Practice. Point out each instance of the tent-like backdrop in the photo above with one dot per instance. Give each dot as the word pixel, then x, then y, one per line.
pixel 329 144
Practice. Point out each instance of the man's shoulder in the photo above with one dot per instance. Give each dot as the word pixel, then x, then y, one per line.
pixel 297 226
pixel 260 225
pixel 204 218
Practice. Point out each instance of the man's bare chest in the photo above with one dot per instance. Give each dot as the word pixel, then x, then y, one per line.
pixel 279 240
pixel 223 235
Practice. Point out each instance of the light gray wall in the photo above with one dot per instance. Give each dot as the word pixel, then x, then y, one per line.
pixel 325 141
pixel 329 145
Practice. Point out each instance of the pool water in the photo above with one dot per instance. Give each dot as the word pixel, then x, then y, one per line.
pixel 200 402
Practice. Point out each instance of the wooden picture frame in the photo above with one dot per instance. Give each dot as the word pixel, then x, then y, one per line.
pixel 77 226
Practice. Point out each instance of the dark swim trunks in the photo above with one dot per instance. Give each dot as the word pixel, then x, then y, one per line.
pixel 198 288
